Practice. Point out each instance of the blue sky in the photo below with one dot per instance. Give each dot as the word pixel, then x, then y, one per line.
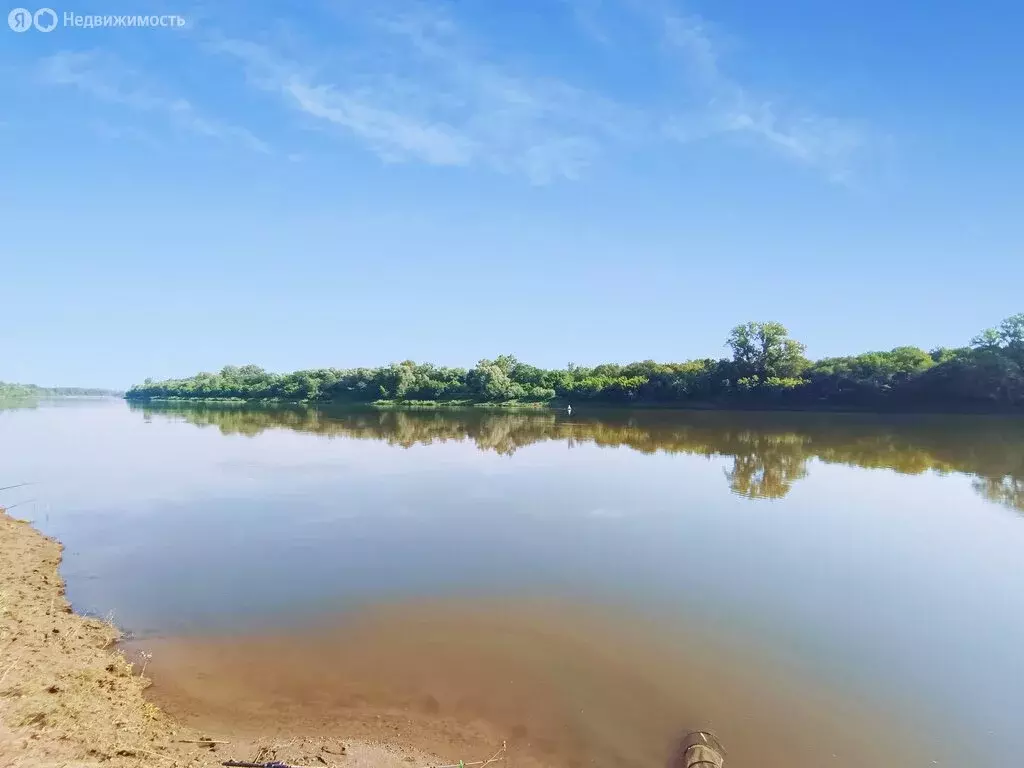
pixel 348 183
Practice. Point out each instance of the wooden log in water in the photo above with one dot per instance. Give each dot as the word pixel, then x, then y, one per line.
pixel 701 749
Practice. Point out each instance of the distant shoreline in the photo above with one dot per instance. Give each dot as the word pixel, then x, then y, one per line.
pixel 767 371
pixel 113 396
pixel 398 404
pixel 557 405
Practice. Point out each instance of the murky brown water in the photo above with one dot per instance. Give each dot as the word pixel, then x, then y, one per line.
pixel 562 685
pixel 809 585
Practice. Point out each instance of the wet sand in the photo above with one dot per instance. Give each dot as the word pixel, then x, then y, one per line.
pixel 564 686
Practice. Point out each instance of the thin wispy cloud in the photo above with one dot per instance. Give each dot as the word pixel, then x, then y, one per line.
pixel 106 79
pixel 445 102
pixel 587 15
pixel 392 133
pixel 427 90
pixel 830 145
pixel 414 83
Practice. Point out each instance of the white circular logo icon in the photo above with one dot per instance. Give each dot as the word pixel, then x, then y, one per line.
pixel 20 19
pixel 45 19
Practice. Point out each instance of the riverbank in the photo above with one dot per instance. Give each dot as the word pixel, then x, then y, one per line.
pixel 384 404
pixel 69 696
pixel 579 407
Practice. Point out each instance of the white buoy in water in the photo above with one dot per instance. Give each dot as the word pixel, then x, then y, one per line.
pixel 569 410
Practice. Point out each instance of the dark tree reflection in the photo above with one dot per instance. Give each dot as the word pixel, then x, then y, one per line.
pixel 765 466
pixel 769 451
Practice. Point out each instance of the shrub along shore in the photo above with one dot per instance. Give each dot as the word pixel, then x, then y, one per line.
pixel 767 369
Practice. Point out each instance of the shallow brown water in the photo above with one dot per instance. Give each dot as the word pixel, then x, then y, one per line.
pixel 563 685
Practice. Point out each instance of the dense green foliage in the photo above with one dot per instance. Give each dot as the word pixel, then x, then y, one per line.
pixel 767 368
pixel 31 390
pixel 770 452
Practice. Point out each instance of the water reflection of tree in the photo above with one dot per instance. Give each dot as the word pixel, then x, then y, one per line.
pixel 17 403
pixel 765 466
pixel 769 452
pixel 1008 491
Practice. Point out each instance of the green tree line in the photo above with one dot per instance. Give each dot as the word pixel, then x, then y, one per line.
pixel 766 369
pixel 770 452
pixel 31 390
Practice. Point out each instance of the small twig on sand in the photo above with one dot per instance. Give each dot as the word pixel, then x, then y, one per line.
pixel 504 747
pixel 201 741
pixel 481 763
pixel 10 666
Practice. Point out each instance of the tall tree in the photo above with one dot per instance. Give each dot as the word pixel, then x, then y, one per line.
pixel 766 351
pixel 1007 339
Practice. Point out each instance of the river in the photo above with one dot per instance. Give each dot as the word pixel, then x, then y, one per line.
pixel 820 589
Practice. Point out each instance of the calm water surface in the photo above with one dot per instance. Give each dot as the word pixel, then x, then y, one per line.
pixel 819 581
